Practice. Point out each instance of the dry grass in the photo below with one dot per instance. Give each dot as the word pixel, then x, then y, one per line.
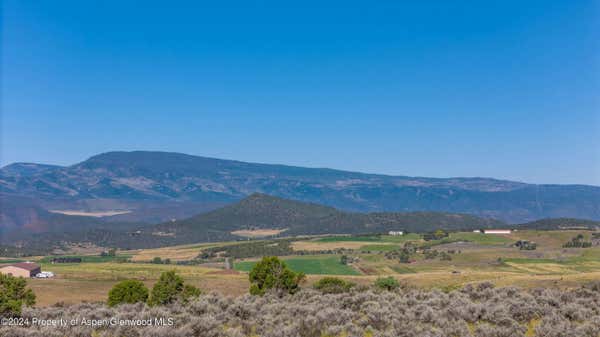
pixel 258 233
pixel 91 282
pixel 175 253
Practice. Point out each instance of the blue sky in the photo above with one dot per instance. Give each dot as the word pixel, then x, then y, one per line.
pixel 509 89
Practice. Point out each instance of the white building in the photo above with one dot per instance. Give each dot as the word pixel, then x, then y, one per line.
pixel 395 233
pixel 497 231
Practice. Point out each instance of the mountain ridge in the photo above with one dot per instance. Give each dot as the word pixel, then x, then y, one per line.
pixel 145 179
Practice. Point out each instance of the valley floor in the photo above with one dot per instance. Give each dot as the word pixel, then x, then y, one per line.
pixel 473 258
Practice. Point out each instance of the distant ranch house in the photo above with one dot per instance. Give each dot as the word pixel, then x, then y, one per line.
pixel 395 233
pixel 21 269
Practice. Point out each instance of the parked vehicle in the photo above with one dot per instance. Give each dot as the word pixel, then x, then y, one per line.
pixel 45 274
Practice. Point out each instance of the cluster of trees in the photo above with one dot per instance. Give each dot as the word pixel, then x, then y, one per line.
pixel 169 288
pixel 250 249
pixel 436 235
pixel 578 242
pixel 526 245
pixel 66 260
pixel 110 252
pixel 431 254
pixel 158 260
pixel 406 253
pixel 279 247
pixel 403 254
pixel 346 259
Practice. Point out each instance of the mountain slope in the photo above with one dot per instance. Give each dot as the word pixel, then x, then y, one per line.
pixel 140 179
pixel 25 216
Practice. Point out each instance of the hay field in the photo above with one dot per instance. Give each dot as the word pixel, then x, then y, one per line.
pixel 175 253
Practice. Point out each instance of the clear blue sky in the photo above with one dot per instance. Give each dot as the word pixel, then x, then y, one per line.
pixel 509 89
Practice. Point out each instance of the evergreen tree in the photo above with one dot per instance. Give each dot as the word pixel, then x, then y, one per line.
pixel 128 291
pixel 13 295
pixel 272 273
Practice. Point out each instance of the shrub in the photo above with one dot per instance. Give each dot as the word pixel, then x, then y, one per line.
pixel 272 273
pixel 445 256
pixel 403 255
pixel 128 291
pixel 333 285
pixel 189 292
pixel 171 288
pixel 578 242
pixel 344 259
pixel 13 295
pixel 387 283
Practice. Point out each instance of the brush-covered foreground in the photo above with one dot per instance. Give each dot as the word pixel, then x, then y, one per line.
pixel 476 310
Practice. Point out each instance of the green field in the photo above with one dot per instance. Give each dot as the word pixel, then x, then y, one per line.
pixel 319 265
pixel 3 261
pixel 344 238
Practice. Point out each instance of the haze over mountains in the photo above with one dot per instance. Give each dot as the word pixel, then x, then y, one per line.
pixel 257 211
pixel 159 186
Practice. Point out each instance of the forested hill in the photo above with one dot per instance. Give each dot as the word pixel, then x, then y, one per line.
pixel 260 211
pixel 561 223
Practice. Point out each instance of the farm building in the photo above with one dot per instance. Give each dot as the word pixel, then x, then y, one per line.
pixel 395 233
pixel 22 269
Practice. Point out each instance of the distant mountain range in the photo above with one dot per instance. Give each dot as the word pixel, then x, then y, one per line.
pixel 160 186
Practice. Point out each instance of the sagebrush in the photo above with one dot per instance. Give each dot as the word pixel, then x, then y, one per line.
pixel 476 310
